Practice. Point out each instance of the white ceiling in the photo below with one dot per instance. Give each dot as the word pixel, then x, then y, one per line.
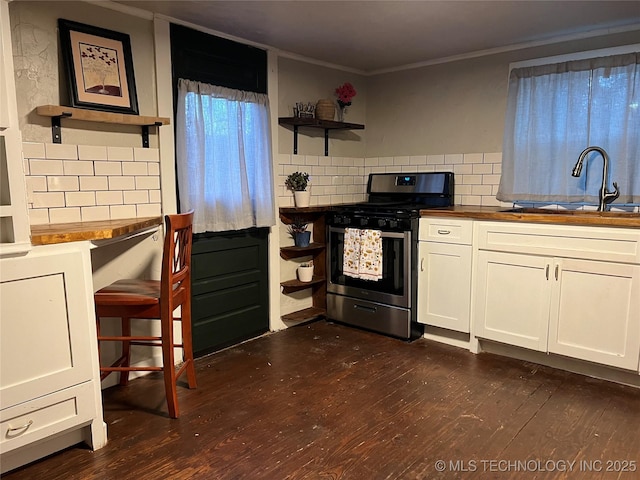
pixel 378 35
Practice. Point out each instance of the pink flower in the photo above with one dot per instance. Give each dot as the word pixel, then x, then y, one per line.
pixel 345 93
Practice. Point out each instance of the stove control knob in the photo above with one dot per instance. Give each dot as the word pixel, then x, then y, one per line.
pixel 393 223
pixel 364 221
pixel 382 222
pixel 338 219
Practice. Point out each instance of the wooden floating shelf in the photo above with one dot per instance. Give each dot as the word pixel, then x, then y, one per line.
pixel 296 252
pixel 291 286
pixel 56 112
pixel 97 116
pixel 326 125
pixel 304 315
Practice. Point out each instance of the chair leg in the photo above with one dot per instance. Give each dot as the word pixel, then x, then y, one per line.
pixel 187 344
pixel 168 366
pixel 126 350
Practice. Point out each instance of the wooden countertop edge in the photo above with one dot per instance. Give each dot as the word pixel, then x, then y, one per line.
pixel 95 230
pixel 498 214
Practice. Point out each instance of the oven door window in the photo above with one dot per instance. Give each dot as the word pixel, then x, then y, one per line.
pixel 394 280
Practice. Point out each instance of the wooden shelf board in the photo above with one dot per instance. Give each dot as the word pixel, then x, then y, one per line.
pixel 100 117
pixel 290 286
pixel 316 123
pixel 305 314
pixel 296 252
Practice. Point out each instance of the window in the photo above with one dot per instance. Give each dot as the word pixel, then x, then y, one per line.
pixel 554 112
pixel 224 157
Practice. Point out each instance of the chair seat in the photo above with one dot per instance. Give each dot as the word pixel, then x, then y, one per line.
pixel 129 292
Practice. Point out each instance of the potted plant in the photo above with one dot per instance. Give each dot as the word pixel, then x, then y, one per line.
pixel 298 181
pixel 298 230
pixel 305 271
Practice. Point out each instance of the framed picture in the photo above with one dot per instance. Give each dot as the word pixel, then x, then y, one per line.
pixel 99 68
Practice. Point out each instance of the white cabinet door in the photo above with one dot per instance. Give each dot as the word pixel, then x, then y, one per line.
pixel 444 285
pixel 595 312
pixel 45 339
pixel 512 299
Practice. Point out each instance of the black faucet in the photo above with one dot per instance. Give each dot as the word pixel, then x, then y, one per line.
pixel 605 195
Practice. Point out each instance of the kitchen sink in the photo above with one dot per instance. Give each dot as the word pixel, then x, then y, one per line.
pixel 585 213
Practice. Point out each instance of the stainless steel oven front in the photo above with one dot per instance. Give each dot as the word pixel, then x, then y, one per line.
pixel 384 305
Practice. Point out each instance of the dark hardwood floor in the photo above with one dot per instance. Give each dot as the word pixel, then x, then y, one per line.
pixel 324 401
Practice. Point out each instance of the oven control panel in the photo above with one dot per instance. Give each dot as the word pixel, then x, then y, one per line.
pixel 371 222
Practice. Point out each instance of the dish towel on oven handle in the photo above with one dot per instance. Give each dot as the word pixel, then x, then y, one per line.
pixel 362 254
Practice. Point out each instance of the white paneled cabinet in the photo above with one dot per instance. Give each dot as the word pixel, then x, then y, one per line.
pixel 14 222
pixel 586 307
pixel 50 394
pixel 444 276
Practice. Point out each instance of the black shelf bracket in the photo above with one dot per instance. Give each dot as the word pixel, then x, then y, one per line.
pixel 295 139
pixel 56 129
pixel 145 134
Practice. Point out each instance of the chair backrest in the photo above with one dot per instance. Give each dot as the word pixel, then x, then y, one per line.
pixel 176 258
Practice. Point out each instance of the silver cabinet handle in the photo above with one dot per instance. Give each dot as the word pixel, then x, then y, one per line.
pixel 547 272
pixel 21 427
pixel 444 232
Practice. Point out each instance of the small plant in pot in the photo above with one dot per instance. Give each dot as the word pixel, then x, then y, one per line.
pixel 298 230
pixel 305 271
pixel 297 182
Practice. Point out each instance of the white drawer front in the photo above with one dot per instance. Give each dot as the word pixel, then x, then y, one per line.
pixel 446 230
pixel 590 243
pixel 45 416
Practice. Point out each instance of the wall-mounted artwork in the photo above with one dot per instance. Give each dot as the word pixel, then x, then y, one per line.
pixel 99 68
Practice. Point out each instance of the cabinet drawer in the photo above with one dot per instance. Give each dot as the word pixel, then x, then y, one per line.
pixel 446 230
pixel 589 243
pixel 46 416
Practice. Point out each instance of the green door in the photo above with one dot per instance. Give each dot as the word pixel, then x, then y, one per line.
pixel 230 291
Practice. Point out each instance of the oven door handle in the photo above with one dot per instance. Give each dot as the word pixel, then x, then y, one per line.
pixel 384 233
pixel 366 309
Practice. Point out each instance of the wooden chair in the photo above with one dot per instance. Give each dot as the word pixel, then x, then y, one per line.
pixel 152 299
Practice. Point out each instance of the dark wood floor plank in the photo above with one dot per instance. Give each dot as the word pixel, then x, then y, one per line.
pixel 324 401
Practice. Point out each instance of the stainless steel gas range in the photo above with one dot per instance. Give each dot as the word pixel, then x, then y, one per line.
pixel 387 303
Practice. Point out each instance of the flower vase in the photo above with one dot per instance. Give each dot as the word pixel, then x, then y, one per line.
pixel 341 112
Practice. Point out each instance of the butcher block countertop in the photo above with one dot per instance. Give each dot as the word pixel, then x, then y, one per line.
pixel 98 230
pixel 538 215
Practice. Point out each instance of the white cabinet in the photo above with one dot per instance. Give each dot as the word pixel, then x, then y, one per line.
pixel 512 298
pixel 50 394
pixel 444 277
pixel 574 291
pixel 14 223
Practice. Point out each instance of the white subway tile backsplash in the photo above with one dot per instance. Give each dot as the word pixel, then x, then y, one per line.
pixel 33 150
pixel 385 161
pixel 80 199
pixel 482 168
pixel 94 213
pixel 136 196
pixel 491 179
pixel 62 184
pixel 92 152
pixel 64 215
pixel 109 198
pixel 146 154
pixel 439 160
pixel 25 166
pixel 311 160
pixel 147 183
pixel 70 183
pixel 493 158
pixel 472 179
pixel 94 183
pixel 48 199
pixel 460 170
pixel 120 154
pixel 78 167
pixel 59 151
pixel 401 160
pixel 122 211
pixel 481 189
pixel 148 210
pixel 134 168
pixel 45 167
pixel 453 158
pixel 107 168
pixel 39 216
pixel 122 183
pixel 473 158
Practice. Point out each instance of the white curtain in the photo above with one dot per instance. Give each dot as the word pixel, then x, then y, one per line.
pixel 224 163
pixel 556 111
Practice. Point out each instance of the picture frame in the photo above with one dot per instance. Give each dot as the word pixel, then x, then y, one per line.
pixel 99 68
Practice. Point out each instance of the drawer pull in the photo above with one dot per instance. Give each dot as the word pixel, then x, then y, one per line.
pixel 557 267
pixel 547 272
pixel 444 232
pixel 21 427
